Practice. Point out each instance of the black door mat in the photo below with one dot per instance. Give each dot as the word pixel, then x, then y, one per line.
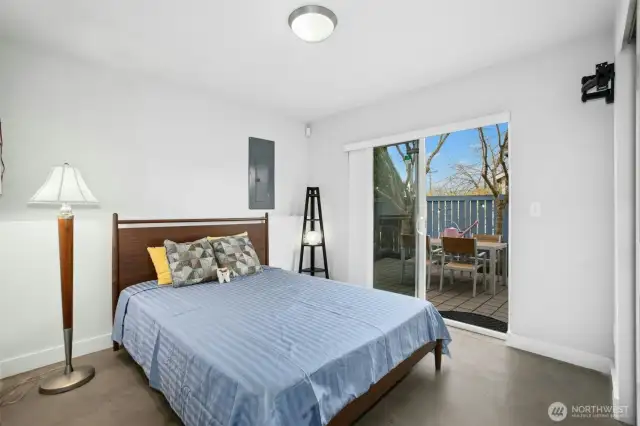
pixel 476 319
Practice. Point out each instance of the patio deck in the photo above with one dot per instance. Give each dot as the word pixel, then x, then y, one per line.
pixel 457 298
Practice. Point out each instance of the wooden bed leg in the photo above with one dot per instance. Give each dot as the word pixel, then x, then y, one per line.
pixel 438 354
pixel 116 346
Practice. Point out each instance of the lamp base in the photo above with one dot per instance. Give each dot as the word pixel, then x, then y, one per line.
pixel 64 382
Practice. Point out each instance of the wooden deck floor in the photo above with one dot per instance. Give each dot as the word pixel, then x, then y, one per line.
pixel 460 298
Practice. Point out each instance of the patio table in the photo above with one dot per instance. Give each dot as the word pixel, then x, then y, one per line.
pixel 493 249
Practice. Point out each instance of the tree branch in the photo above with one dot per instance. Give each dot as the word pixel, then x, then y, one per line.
pixel 466 172
pixel 392 199
pixel 443 138
pixel 504 146
pixel 485 165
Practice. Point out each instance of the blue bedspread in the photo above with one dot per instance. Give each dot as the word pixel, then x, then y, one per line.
pixel 277 348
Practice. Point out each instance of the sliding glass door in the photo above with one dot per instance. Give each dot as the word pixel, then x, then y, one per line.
pixel 396 214
pixel 467 177
pixel 452 183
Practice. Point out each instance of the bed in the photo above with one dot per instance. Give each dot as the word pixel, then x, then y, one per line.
pixel 275 348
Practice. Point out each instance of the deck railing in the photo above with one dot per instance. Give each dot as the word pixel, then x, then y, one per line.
pixel 445 211
pixel 442 212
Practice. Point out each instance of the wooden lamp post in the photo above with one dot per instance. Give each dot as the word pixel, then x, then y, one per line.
pixel 65 186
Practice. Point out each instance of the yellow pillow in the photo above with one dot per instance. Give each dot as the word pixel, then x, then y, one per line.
pixel 160 262
pixel 244 234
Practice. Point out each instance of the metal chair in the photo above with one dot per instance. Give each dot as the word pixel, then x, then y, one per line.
pixel 431 261
pixel 464 258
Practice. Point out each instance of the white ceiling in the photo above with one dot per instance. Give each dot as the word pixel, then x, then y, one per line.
pixel 244 48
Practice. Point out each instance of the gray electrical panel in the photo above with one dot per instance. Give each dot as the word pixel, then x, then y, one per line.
pixel 261 174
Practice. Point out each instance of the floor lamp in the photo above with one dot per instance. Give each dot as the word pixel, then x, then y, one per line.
pixel 65 186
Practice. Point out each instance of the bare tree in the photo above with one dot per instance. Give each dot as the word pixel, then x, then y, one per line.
pixel 432 154
pixel 389 185
pixel 465 180
pixel 388 182
pixel 494 166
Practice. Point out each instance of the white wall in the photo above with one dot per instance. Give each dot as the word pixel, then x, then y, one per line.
pixel 623 373
pixel 146 149
pixel 561 156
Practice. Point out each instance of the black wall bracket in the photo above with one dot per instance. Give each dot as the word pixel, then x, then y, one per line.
pixel 605 74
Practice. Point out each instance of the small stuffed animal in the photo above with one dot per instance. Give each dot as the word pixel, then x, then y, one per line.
pixel 224 275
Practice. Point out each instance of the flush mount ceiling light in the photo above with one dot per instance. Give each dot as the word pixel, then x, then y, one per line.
pixel 313 24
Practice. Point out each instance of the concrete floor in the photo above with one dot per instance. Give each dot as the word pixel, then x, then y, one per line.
pixel 485 383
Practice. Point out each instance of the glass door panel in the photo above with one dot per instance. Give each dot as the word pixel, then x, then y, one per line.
pixel 396 242
pixel 467 195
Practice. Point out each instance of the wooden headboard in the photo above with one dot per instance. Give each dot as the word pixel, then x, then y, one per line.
pixel 131 263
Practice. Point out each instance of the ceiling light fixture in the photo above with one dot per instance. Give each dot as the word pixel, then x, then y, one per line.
pixel 313 24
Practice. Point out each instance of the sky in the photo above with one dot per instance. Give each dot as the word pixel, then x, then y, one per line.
pixel 460 147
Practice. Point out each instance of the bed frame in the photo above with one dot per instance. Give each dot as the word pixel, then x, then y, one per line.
pixel 131 265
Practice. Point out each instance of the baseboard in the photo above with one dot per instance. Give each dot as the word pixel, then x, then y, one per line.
pixel 598 363
pixel 475 329
pixel 20 364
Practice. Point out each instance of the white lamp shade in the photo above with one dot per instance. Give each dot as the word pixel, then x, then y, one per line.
pixel 313 237
pixel 64 186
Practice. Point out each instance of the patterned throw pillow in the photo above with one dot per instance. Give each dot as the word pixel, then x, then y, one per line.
pixel 237 254
pixel 191 263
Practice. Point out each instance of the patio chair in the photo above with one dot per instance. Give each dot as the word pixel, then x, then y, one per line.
pixel 464 257
pixel 408 245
